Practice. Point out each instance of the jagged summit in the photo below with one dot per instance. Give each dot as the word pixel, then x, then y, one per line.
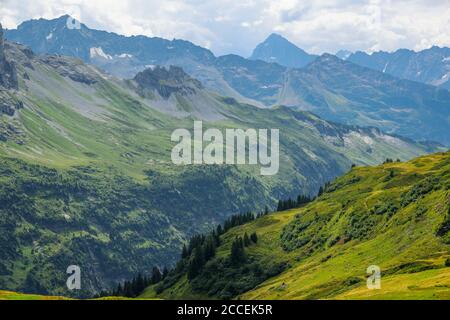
pixel 2 45
pixel 119 55
pixel 278 49
pixel 8 74
pixel 167 81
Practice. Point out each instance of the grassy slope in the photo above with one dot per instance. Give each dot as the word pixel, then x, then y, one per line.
pixel 116 136
pixel 404 245
pixel 9 295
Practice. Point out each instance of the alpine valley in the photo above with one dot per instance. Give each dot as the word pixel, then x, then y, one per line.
pixel 362 90
pixel 86 176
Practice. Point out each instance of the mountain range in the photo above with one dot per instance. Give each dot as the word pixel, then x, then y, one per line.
pixel 431 66
pixel 278 73
pixel 86 176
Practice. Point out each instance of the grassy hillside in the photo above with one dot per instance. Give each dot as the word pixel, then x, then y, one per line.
pixel 86 176
pixel 9 295
pixel 395 216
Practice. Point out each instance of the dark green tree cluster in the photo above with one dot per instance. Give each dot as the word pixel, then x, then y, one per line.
pixel 198 241
pixel 291 203
pixel 237 220
pixel 202 253
pixel 237 255
pixel 202 248
pixel 324 189
pixel 263 213
pixel 133 288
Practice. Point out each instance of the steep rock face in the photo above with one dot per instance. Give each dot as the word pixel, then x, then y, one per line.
pixel 167 81
pixel 8 105
pixel 8 74
pixel 67 68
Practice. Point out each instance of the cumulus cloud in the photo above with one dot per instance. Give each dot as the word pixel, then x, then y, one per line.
pixel 227 26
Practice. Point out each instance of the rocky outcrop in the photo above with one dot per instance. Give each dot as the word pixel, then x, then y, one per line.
pixel 8 73
pixel 9 105
pixel 2 44
pixel 68 67
pixel 167 81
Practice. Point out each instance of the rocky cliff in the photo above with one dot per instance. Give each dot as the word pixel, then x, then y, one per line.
pixel 8 74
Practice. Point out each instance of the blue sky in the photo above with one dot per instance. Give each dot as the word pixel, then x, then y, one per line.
pixel 237 26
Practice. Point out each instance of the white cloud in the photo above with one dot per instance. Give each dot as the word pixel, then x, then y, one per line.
pixel 237 26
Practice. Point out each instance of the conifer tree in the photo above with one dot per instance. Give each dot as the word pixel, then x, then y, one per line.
pixel 156 275
pixel 254 237
pixel 246 240
pixel 237 251
pixel 184 252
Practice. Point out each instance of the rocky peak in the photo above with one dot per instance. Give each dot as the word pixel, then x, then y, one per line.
pixel 2 44
pixel 8 74
pixel 167 81
pixel 280 50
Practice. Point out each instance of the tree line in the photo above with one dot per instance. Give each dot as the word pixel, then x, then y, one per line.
pixel 200 249
pixel 295 203
pixel 134 287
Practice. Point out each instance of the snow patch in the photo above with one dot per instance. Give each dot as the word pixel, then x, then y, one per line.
pixel 98 52
pixel 50 36
pixel 354 138
pixel 311 154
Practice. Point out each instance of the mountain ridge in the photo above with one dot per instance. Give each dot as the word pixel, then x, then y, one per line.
pixel 406 108
pixel 86 169
pixel 431 66
pixel 280 50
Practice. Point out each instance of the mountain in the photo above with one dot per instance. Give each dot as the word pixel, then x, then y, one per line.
pixel 345 92
pixel 343 54
pixel 87 178
pixel 8 76
pixel 395 217
pixel 431 66
pixel 280 50
pixel 358 96
pixel 122 56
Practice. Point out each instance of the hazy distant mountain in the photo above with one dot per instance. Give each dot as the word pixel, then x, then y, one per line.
pixel 343 54
pixel 336 90
pixel 431 66
pixel 120 55
pixel 345 92
pixel 280 50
